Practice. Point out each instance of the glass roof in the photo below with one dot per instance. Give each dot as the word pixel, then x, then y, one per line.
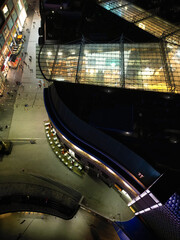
pixel 131 13
pixel 147 66
pixel 143 19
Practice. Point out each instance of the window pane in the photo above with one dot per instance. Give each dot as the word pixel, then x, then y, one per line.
pixel 1 40
pixel 5 11
pixel 5 32
pixel 19 5
pixel 10 23
pixel 10 4
pixel 14 15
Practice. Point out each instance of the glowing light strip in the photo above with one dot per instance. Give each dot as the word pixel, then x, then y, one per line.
pixel 148 209
pixel 97 161
pixel 153 197
pixel 143 195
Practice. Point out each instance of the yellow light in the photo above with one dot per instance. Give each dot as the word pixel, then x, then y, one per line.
pixel 132 209
pixel 141 25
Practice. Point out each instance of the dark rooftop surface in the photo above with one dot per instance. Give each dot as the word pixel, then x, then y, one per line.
pixel 168 10
pixel 95 24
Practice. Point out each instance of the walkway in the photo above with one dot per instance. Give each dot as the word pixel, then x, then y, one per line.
pixel 38 159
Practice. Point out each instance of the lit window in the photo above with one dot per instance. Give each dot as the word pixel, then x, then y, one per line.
pixel 49 53
pixel 20 5
pixel 5 11
pixel 178 53
pixel 141 25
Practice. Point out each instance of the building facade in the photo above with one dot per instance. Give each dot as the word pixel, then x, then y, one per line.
pixel 12 17
pixel 113 108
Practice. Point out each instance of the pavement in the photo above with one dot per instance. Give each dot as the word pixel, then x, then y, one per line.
pixel 37 226
pixel 24 112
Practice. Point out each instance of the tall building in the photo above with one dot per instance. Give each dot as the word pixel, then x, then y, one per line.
pixel 12 17
pixel 114 105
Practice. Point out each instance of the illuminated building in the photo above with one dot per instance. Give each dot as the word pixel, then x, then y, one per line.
pixel 115 105
pixel 12 17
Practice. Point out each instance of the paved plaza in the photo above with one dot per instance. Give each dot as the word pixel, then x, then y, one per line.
pixel 24 113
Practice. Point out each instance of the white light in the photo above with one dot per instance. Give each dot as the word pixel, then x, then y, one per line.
pixel 141 25
pixel 137 198
pixel 5 9
pixel 129 204
pixel 141 212
pixel 126 194
pixel 143 194
pixel 154 206
pixel 127 133
pixel 147 209
pixel 110 170
pixel 148 71
pixel 93 158
pixel 78 149
pixel 49 53
pixel 20 5
pixel 147 191
pixel 153 197
pixel 86 52
pixel 60 53
pixel 178 53
pixel 64 138
pixel 127 185
pixel 60 79
pixel 72 152
pixel 169 45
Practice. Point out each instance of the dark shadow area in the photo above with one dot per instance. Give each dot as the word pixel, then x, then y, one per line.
pixel 92 140
pixel 146 122
pixel 69 21
pixel 168 10
pixel 95 234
